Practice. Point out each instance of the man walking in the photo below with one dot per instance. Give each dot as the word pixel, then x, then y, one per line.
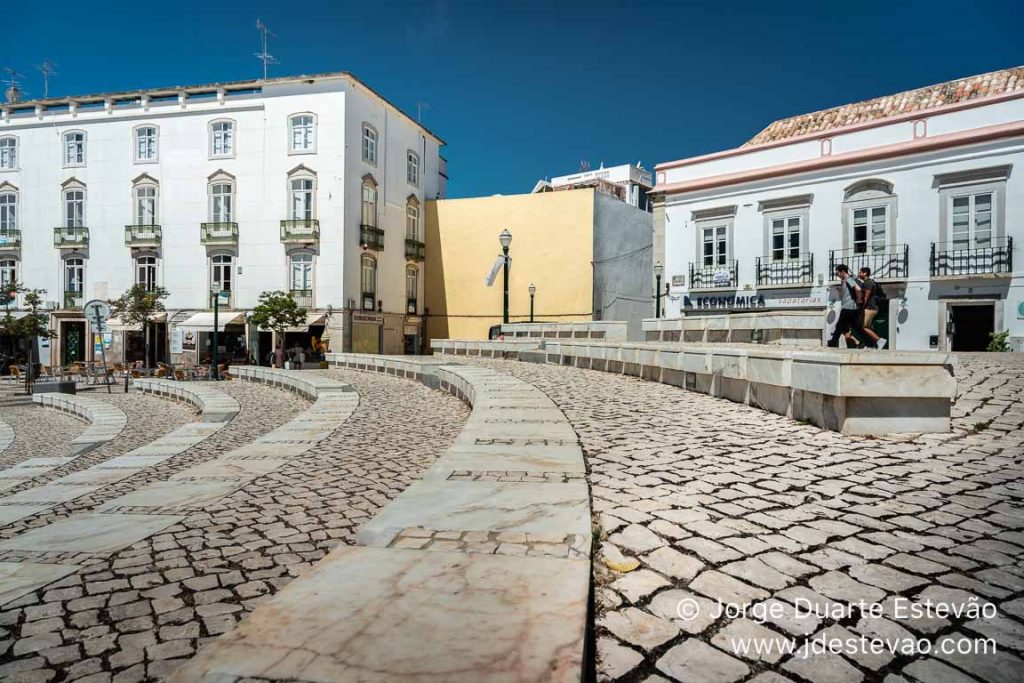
pixel 869 296
pixel 849 313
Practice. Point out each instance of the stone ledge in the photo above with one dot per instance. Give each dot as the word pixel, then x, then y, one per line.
pixel 215 406
pixel 602 330
pixel 305 383
pixel 106 421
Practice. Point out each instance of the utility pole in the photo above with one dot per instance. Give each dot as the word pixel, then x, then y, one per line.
pixel 47 68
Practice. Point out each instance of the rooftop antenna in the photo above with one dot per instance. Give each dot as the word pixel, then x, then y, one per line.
pixel 13 90
pixel 584 165
pixel 47 68
pixel 420 106
pixel 265 56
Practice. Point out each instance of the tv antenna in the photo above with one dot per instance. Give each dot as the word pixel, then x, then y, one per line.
pixel 13 90
pixel 264 56
pixel 420 106
pixel 47 68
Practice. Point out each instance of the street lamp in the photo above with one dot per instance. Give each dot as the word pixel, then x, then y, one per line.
pixel 658 270
pixel 506 239
pixel 532 290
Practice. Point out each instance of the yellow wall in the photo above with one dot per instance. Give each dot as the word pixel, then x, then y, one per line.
pixel 552 247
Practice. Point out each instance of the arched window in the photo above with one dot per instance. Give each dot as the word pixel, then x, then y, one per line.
pixel 302 133
pixel 368 280
pixel 221 267
pixel 412 168
pixel 74 276
pixel 369 144
pixel 222 139
pixel 145 196
pixel 8 272
pixel 869 208
pixel 369 204
pixel 145 144
pixel 412 219
pixel 74 205
pixel 412 288
pixel 9 153
pixel 222 201
pixel 301 190
pixel 146 272
pixel 8 210
pixel 74 148
pixel 301 268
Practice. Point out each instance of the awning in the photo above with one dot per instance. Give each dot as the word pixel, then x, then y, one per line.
pixel 312 318
pixel 115 324
pixel 203 321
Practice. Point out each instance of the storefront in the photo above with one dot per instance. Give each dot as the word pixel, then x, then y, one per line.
pixel 367 331
pixel 192 338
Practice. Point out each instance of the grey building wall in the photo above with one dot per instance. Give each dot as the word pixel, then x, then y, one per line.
pixel 623 265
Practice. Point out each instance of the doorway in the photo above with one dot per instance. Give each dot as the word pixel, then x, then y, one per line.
pixel 73 341
pixel 970 326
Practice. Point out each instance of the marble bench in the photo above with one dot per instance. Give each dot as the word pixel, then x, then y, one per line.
pixel 853 392
pixel 305 383
pixel 215 406
pixel 480 571
pixel 506 349
pixel 603 330
pixel 106 421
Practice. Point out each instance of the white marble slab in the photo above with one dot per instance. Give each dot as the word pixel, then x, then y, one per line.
pixel 132 461
pixel 97 475
pixel 51 493
pixel 19 578
pixel 174 494
pixel 236 469
pixel 11 482
pixel 92 533
pixel 12 513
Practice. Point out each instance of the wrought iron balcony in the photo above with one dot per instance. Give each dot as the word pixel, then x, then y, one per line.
pixel 723 276
pixel 952 259
pixel 797 272
pixel 415 250
pixel 73 298
pixel 303 297
pixel 303 230
pixel 890 264
pixel 218 233
pixel 71 238
pixel 142 236
pixel 371 237
pixel 10 239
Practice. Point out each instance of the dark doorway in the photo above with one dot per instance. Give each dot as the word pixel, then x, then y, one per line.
pixel 265 342
pixel 971 326
pixel 73 338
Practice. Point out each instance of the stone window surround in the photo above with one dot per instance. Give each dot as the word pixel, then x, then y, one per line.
pixel 73 184
pixel 222 177
pixel 301 172
pixel 300 251
pixel 288 130
pixel 135 144
pixel 709 218
pixel 234 137
pixel 786 207
pixel 145 180
pixel 17 154
pixel 867 194
pixel 975 181
pixel 376 146
pixel 85 148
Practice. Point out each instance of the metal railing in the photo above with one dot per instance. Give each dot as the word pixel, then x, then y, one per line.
pixel 799 271
pixel 10 238
pixel 959 258
pixel 890 264
pixel 73 298
pixel 300 230
pixel 714 277
pixel 142 235
pixel 69 238
pixel 218 233
pixel 371 237
pixel 303 297
pixel 415 250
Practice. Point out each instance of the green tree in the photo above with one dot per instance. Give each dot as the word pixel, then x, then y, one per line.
pixel 138 306
pixel 999 342
pixel 278 311
pixel 34 325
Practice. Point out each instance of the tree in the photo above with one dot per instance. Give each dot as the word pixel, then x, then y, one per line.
pixel 278 311
pixel 137 306
pixel 35 324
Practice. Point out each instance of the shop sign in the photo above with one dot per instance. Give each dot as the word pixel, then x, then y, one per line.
pixel 188 340
pixel 177 335
pixel 368 318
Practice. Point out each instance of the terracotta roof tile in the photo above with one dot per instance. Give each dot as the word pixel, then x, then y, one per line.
pixel 922 99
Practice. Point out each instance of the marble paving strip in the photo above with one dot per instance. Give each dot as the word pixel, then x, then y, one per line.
pixel 215 406
pixel 106 421
pixel 6 435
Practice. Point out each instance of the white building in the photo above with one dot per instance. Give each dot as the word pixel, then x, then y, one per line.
pixel 629 183
pixel 924 187
pixel 307 184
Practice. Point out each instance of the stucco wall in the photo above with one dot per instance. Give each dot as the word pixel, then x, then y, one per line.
pixel 622 263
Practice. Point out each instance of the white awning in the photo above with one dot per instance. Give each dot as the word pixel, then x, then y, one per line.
pixel 312 318
pixel 115 324
pixel 203 321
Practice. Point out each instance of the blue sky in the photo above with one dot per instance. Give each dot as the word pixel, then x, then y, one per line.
pixel 524 90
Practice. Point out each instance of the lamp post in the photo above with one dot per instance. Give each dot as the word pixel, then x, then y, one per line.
pixel 658 270
pixel 506 239
pixel 533 291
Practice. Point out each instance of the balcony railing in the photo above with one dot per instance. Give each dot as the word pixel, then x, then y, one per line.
pixel 415 250
pixel 71 238
pixel 73 299
pixel 10 239
pixel 410 306
pixel 301 230
pixel 303 297
pixel 142 235
pixel 218 233
pixel 714 277
pixel 960 258
pixel 890 264
pixel 371 237
pixel 796 272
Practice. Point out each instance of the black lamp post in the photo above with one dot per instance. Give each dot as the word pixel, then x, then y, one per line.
pixel 532 290
pixel 506 239
pixel 658 269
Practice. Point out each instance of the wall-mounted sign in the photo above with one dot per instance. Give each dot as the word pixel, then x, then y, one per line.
pixel 366 317
pixel 726 302
pixel 1020 311
pixel 678 280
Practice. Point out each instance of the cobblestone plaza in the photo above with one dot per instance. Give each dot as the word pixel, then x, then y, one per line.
pixel 698 505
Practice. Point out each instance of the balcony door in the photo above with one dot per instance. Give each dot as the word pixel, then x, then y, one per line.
pixel 785 238
pixel 716 246
pixel 971 218
pixel 870 233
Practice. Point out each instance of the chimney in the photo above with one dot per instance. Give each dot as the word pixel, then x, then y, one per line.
pixel 12 94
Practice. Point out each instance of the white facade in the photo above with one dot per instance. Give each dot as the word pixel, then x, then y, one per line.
pixel 627 182
pixel 169 157
pixel 934 202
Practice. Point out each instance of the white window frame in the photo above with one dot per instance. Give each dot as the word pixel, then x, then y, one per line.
pixel 150 156
pixel 412 289
pixel 972 241
pixel 369 144
pixel 225 138
pixel 302 198
pixel 309 146
pixel 78 159
pixel 222 267
pixel 369 202
pixel 788 232
pixel 8 209
pixel 214 196
pixel 300 263
pixel 138 217
pixel 152 264
pixel 412 220
pixel 717 235
pixel 9 153
pixel 74 219
pixel 871 242
pixel 74 264
pixel 364 270
pixel 412 168
pixel 8 271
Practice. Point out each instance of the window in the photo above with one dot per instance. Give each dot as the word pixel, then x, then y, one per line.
pixel 8 211
pixel 412 168
pixel 145 204
pixel 74 208
pixel 222 201
pixel 369 144
pixel 301 199
pixel 368 278
pixel 412 288
pixel 412 221
pixel 8 154
pixel 785 244
pixel 74 275
pixel 221 267
pixel 870 230
pixel 8 273
pixel 222 139
pixel 145 272
pixel 715 245
pixel 971 221
pixel 302 133
pixel 74 148
pixel 369 205
pixel 145 144
pixel 302 272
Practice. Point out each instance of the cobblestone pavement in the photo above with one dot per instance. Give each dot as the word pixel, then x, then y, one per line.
pixel 139 613
pixel 35 438
pixel 699 501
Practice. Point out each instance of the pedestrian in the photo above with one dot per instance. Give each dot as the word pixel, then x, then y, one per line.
pixel 298 356
pixel 870 294
pixel 279 356
pixel 849 313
